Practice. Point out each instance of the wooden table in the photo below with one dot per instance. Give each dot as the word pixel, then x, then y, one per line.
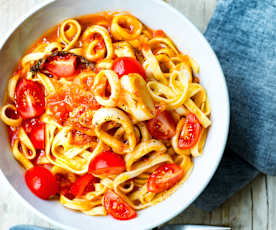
pixel 253 208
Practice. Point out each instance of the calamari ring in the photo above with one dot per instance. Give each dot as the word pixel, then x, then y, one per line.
pixel 104 115
pixel 100 87
pixel 90 53
pixel 7 120
pixel 70 31
pixel 143 149
pixel 120 33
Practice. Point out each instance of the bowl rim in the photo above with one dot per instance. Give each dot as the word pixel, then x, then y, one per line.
pixel 38 7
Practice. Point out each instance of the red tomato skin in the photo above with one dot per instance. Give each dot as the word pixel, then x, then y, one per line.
pixel 117 207
pixel 41 182
pixel 162 126
pixel 125 65
pixel 191 130
pixel 36 131
pixel 79 187
pixel 107 163
pixel 36 95
pixel 37 136
pixel 62 66
pixel 172 174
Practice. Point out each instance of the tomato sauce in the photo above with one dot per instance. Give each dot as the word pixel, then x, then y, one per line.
pixel 69 103
pixel 159 33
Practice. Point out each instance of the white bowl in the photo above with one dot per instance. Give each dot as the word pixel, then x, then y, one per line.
pixel 157 15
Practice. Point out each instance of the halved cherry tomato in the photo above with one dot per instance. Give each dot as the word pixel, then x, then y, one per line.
pixel 117 207
pixel 83 185
pixel 162 126
pixel 190 132
pixel 29 98
pixel 164 177
pixel 107 163
pixel 36 131
pixel 125 65
pixel 62 66
pixel 41 182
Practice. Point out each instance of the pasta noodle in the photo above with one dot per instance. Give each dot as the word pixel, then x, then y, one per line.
pixel 107 105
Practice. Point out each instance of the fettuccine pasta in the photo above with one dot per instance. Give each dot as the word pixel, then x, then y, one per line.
pixel 106 115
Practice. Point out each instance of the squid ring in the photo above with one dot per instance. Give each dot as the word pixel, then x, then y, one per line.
pixel 104 115
pixel 114 83
pixel 94 55
pixel 73 32
pixel 120 33
pixel 7 120
pixel 143 149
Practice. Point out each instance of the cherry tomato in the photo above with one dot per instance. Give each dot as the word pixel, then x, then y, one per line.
pixel 41 182
pixel 117 207
pixel 36 131
pixel 190 132
pixel 164 177
pixel 107 163
pixel 125 65
pixel 61 66
pixel 162 126
pixel 83 185
pixel 29 98
pixel 37 136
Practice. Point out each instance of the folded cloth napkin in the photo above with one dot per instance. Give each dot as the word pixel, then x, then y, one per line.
pixel 243 36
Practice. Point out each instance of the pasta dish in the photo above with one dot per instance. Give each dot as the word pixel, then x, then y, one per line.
pixel 106 115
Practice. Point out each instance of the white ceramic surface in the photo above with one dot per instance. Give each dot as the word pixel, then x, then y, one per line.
pixel 157 15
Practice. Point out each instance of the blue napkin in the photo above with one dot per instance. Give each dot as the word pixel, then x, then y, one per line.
pixel 243 35
pixel 28 227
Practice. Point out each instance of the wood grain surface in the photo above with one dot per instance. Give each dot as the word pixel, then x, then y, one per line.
pixel 253 208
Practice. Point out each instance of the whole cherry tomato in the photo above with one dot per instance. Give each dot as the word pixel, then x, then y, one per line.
pixel 41 182
pixel 107 163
